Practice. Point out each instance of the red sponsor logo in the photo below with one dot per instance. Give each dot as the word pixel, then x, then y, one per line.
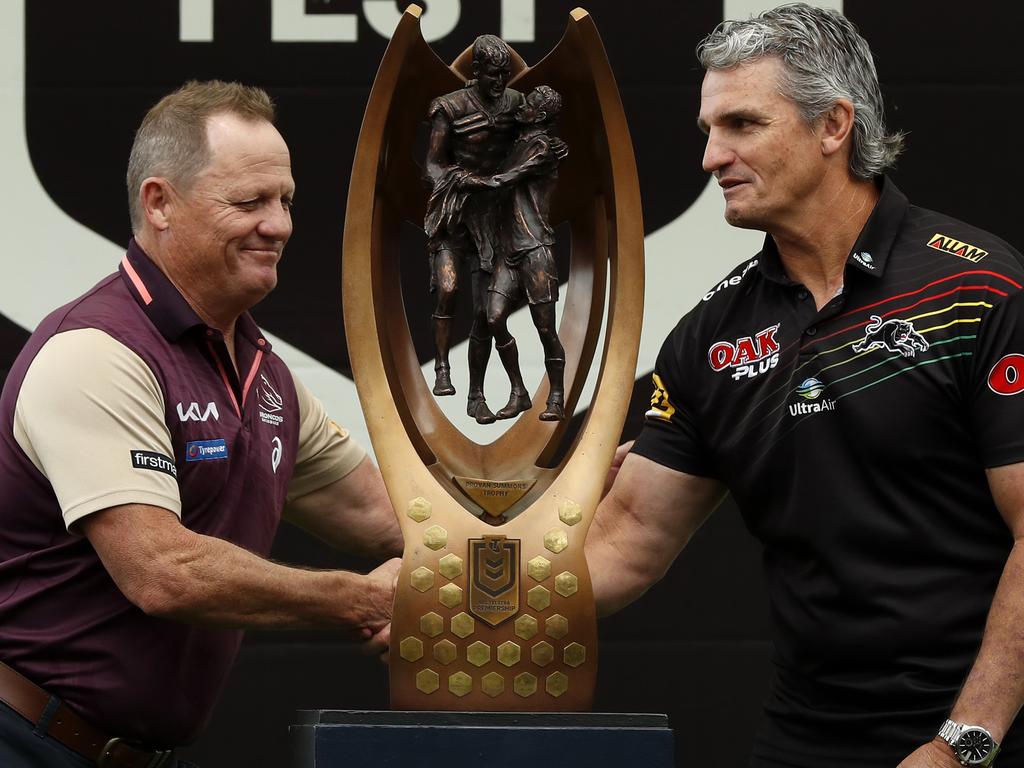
pixel 1007 376
pixel 748 356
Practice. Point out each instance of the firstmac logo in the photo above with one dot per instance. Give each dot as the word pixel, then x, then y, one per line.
pixel 193 413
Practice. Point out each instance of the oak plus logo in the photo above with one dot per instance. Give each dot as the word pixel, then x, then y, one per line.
pixel 194 413
pixel 270 403
pixel 748 356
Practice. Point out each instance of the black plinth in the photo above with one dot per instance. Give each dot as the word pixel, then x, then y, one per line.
pixel 327 738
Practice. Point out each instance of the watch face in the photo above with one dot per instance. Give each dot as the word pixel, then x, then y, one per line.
pixel 974 745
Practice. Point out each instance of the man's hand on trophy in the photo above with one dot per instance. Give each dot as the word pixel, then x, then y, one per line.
pixel 378 644
pixel 559 147
pixel 613 470
pixel 383 581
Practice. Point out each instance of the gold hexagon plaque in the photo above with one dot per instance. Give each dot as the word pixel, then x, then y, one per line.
pixel 574 654
pixel 411 648
pixel 449 595
pixel 450 566
pixel 427 681
pixel 431 624
pixel 492 684
pixel 463 625
pixel 460 683
pixel 435 537
pixel 538 598
pixel 445 651
pixel 542 654
pixel 420 451
pixel 556 626
pixel 478 653
pixel 509 653
pixel 539 568
pixel 556 684
pixel 569 512
pixel 419 509
pixel 555 540
pixel 566 584
pixel 526 626
pixel 421 579
pixel 525 684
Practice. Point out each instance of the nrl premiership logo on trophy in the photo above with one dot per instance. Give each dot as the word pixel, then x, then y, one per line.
pixel 494 581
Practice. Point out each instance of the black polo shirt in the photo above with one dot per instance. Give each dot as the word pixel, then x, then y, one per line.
pixel 855 441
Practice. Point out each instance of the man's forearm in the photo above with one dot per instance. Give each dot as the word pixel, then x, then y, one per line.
pixel 170 571
pixel 215 582
pixel 994 690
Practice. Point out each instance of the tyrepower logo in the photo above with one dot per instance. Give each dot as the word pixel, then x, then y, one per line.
pixel 747 356
pixel 206 450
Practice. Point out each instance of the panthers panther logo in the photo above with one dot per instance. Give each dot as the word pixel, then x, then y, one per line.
pixel 894 335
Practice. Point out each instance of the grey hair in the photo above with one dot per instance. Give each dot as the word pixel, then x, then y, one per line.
pixel 171 141
pixel 824 59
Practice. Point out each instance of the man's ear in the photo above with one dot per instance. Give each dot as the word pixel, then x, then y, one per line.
pixel 156 198
pixel 836 126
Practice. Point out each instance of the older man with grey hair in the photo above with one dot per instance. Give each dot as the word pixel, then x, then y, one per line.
pixel 858 386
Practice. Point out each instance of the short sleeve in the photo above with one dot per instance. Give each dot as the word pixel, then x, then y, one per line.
pixel 997 386
pixel 326 452
pixel 670 435
pixel 90 417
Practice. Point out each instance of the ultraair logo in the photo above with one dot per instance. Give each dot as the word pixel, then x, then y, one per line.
pixel 206 450
pixel 748 356
pixel 950 245
pixel 864 259
pixel 810 390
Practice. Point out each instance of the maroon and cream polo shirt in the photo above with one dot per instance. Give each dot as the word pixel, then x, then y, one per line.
pixel 126 396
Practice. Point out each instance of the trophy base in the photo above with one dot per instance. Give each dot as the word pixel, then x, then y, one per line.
pixel 325 738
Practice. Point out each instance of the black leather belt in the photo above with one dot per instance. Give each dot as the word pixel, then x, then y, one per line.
pixel 30 701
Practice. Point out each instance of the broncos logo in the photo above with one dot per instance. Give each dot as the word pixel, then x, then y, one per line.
pixel 894 335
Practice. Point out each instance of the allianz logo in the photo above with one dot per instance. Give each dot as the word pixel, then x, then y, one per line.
pixel 193 412
pixel 810 390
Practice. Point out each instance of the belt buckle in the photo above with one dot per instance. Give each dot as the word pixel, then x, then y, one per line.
pixel 159 759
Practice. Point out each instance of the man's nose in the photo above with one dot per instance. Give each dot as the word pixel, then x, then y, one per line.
pixel 716 154
pixel 277 223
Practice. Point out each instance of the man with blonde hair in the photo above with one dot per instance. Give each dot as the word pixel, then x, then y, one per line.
pixel 151 439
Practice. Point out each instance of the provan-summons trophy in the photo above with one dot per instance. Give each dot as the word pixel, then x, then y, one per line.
pixel 494 607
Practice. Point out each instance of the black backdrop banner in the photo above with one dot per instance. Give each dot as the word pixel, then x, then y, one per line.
pixel 77 78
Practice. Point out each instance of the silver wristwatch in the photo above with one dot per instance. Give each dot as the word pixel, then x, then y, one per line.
pixel 972 744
